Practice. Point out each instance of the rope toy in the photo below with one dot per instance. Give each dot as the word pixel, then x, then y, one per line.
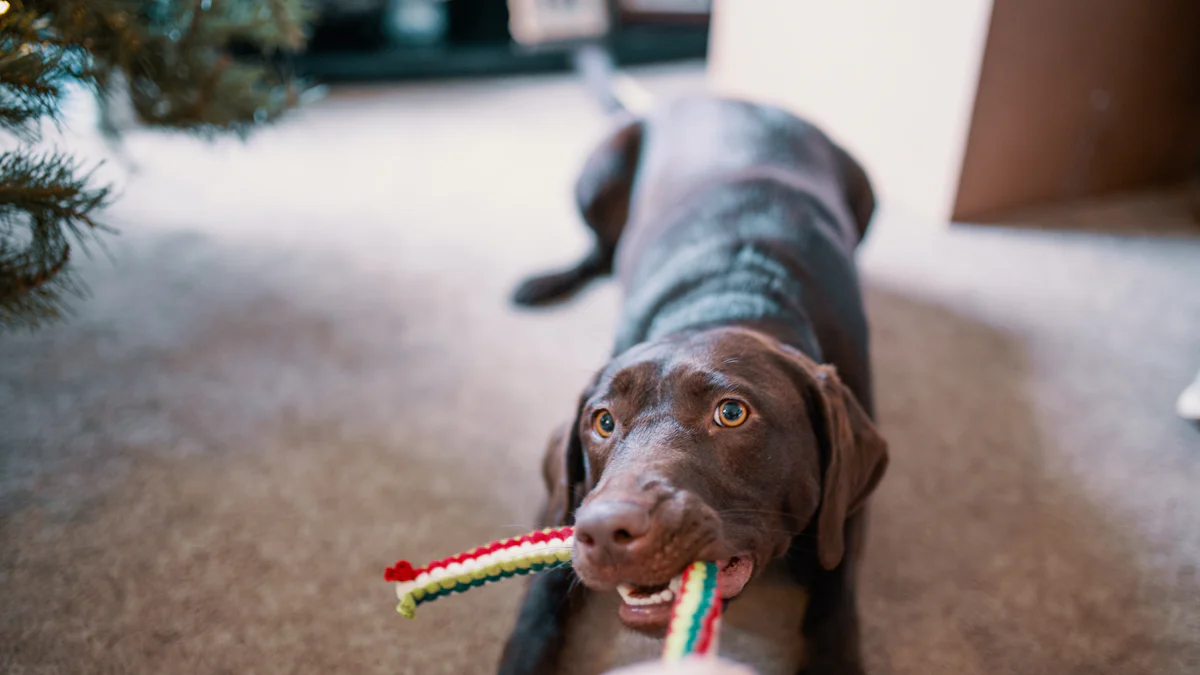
pixel 695 616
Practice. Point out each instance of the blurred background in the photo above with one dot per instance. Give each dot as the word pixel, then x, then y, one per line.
pixel 293 360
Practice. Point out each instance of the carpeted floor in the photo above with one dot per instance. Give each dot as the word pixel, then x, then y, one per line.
pixel 298 365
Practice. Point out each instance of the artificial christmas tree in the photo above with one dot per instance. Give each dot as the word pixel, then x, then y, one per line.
pixel 203 66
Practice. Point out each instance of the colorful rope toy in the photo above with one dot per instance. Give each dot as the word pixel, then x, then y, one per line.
pixel 695 616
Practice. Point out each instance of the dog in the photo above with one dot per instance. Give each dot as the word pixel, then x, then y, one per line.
pixel 733 421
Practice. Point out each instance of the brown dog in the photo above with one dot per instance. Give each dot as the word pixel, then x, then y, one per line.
pixel 715 432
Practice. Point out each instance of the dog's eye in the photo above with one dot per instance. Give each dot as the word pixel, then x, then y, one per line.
pixel 603 423
pixel 730 413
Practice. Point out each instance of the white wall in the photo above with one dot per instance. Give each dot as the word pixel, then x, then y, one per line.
pixel 893 81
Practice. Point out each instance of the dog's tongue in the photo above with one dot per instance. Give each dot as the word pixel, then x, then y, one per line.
pixel 733 576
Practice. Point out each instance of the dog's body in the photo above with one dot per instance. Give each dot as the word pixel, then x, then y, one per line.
pixel 732 228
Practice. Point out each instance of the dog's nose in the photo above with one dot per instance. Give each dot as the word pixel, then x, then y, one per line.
pixel 611 526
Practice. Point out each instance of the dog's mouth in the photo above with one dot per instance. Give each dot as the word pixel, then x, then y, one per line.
pixel 648 608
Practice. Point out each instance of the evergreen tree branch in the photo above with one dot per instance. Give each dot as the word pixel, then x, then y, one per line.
pixel 30 81
pixel 45 203
pixel 196 65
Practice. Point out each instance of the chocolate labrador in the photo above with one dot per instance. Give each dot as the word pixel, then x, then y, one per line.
pixel 733 422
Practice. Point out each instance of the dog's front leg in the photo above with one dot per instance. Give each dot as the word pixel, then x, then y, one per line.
pixel 831 626
pixel 831 632
pixel 537 639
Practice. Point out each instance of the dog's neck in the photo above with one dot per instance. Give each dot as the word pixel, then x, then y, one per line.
pixel 752 288
pixel 738 253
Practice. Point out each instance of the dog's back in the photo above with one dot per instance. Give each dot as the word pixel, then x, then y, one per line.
pixel 700 141
pixel 744 213
pixel 712 211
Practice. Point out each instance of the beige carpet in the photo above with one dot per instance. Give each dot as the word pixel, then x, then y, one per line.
pixel 298 365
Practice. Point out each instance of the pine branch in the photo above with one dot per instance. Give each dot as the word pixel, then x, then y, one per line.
pixel 32 293
pixel 194 83
pixel 176 54
pixel 45 203
pixel 178 57
pixel 30 75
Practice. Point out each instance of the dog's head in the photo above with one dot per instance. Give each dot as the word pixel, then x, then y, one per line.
pixel 721 445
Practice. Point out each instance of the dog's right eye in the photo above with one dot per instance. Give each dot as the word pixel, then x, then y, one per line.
pixel 730 413
pixel 604 423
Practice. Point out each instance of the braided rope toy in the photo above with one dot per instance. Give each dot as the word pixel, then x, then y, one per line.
pixel 695 616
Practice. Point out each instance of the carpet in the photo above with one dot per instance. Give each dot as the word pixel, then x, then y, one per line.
pixel 297 364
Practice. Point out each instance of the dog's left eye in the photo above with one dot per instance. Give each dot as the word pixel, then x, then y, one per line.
pixel 730 413
pixel 603 423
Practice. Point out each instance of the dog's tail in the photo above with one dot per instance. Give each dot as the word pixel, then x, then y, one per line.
pixel 605 182
pixel 619 94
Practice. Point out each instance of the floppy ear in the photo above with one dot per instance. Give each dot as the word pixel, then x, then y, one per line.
pixel 855 458
pixel 563 471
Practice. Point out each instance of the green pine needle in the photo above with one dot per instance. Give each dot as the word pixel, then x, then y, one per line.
pixel 45 206
pixel 178 58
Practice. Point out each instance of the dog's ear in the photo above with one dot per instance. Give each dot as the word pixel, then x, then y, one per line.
pixel 854 456
pixel 564 470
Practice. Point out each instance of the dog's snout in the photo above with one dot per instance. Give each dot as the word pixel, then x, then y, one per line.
pixel 649 484
pixel 611 526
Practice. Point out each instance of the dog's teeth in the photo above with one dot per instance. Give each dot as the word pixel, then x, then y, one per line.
pixel 630 596
pixel 676 584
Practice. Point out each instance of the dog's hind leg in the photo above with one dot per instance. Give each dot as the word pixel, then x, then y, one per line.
pixel 602 194
pixel 860 196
